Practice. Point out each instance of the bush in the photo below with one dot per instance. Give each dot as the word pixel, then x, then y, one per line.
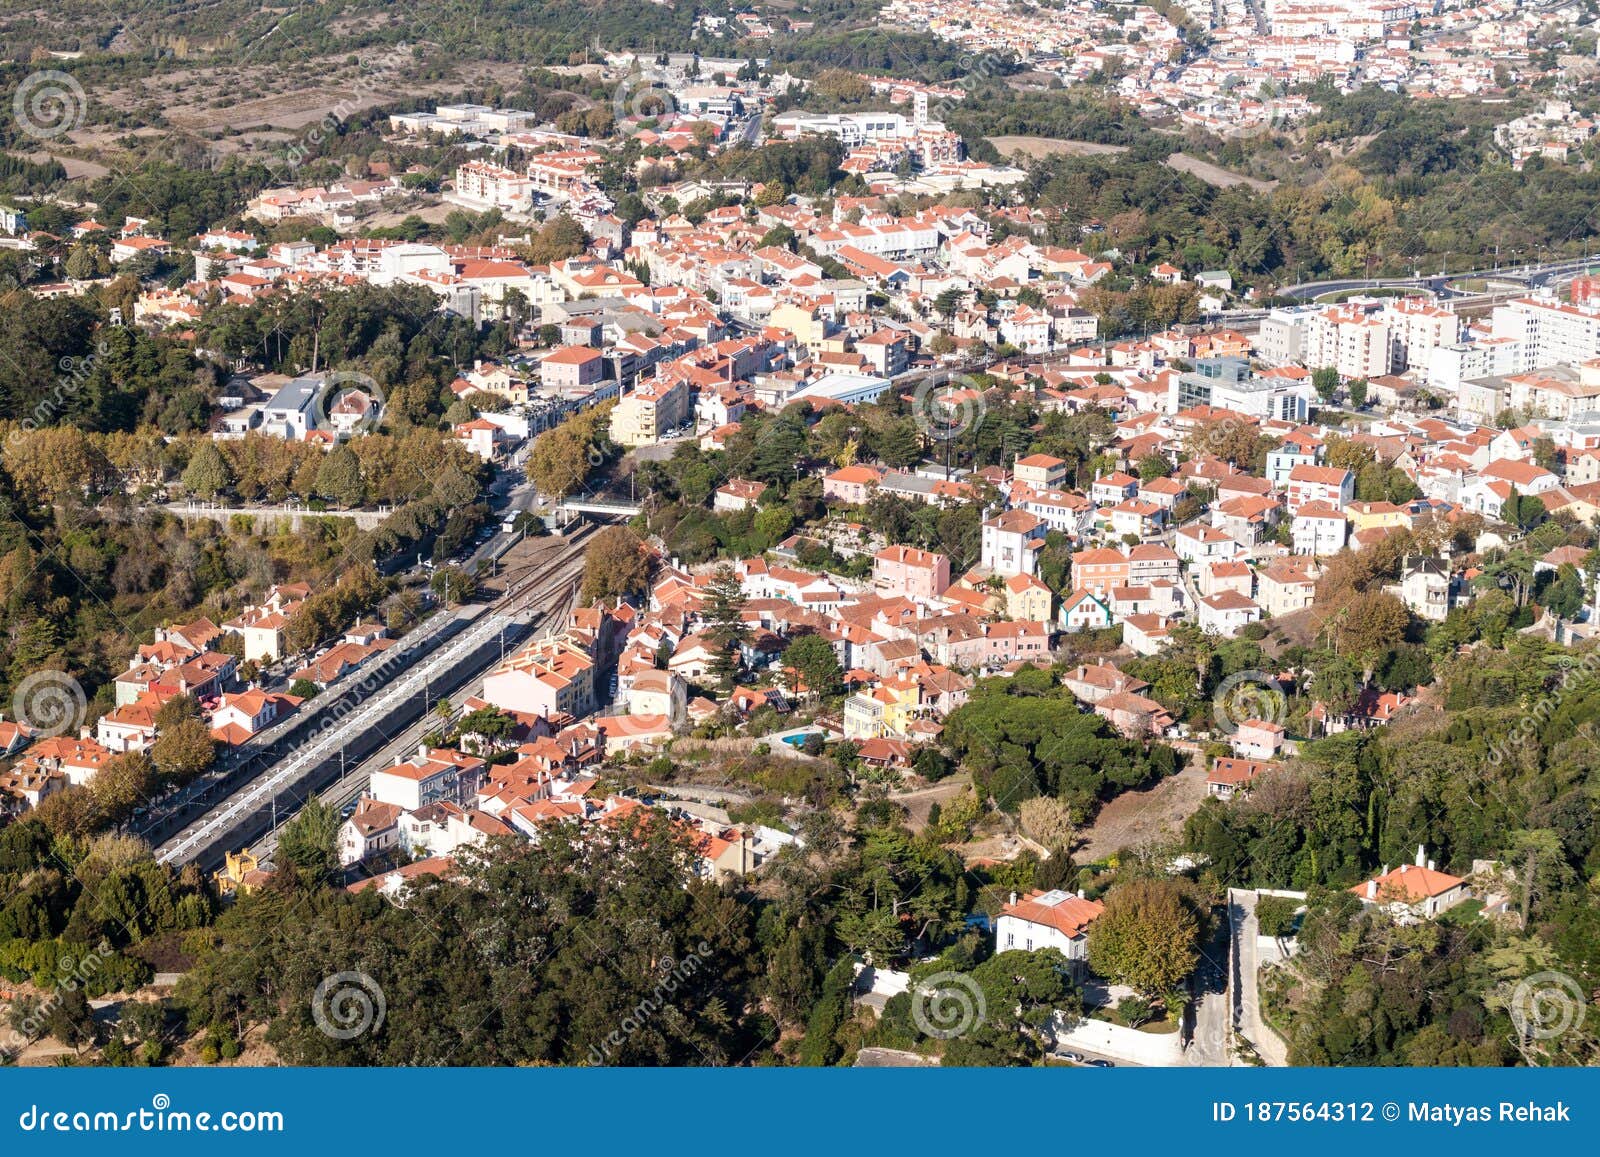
pixel 1275 915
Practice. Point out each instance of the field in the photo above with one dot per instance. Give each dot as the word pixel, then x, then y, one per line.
pixel 1036 147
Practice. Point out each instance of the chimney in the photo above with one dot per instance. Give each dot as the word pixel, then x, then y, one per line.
pixel 1013 899
pixel 1372 889
pixel 1430 865
pixel 1080 894
pixel 1422 855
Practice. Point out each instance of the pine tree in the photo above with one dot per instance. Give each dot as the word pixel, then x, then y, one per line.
pixel 724 616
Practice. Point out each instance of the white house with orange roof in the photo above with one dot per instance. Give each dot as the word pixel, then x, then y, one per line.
pixel 1319 530
pixel 1413 891
pixel 241 715
pixel 431 775
pixel 1012 542
pixel 1056 919
pixel 1332 485
pixel 1226 613
pixel 480 437
pixel 1041 471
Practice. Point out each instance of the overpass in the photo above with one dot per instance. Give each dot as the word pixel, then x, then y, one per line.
pixel 601 507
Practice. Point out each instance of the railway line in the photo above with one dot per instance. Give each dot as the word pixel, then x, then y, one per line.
pixel 349 728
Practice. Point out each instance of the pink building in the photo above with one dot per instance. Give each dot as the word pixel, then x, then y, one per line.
pixel 918 574
pixel 852 485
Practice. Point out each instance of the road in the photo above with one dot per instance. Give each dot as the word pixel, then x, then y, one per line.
pixel 346 728
pixel 1532 276
pixel 1207 1019
pixel 1242 927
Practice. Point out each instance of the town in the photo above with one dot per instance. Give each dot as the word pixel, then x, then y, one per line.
pixel 760 530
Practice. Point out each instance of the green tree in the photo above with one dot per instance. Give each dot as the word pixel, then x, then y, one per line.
pixel 339 476
pixel 817 663
pixel 725 625
pixel 310 841
pixel 207 474
pixel 1326 382
pixel 1147 937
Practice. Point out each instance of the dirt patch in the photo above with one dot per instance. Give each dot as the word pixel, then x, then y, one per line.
pixel 1216 174
pixel 74 166
pixel 918 803
pixel 1036 147
pixel 1138 817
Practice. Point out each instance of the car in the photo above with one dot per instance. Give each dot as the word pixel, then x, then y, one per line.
pixel 1097 1063
pixel 1076 1058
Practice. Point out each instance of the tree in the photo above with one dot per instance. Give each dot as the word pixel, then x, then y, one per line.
pixel 303 689
pixel 1358 393
pixel 1367 627
pixel 81 265
pixel 122 784
pixel 184 749
pixel 1154 466
pixel 1147 937
pixel 616 565
pixel 949 301
pixel 1275 915
pixel 724 616
pixel 1049 822
pixel 207 474
pixel 71 1021
pixel 813 657
pixel 339 476
pixel 1326 382
pixel 310 840
pixel 1564 596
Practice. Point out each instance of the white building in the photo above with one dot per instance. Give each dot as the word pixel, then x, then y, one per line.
pixel 1055 919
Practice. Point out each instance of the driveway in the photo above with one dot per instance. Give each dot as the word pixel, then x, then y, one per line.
pixel 1247 1000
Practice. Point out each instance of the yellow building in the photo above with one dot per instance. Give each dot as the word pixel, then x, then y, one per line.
pixel 654 407
pixel 239 875
pixel 809 326
pixel 1028 599
pixel 1376 516
pixel 885 712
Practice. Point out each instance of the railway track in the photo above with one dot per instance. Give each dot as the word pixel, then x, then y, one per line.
pixel 369 724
